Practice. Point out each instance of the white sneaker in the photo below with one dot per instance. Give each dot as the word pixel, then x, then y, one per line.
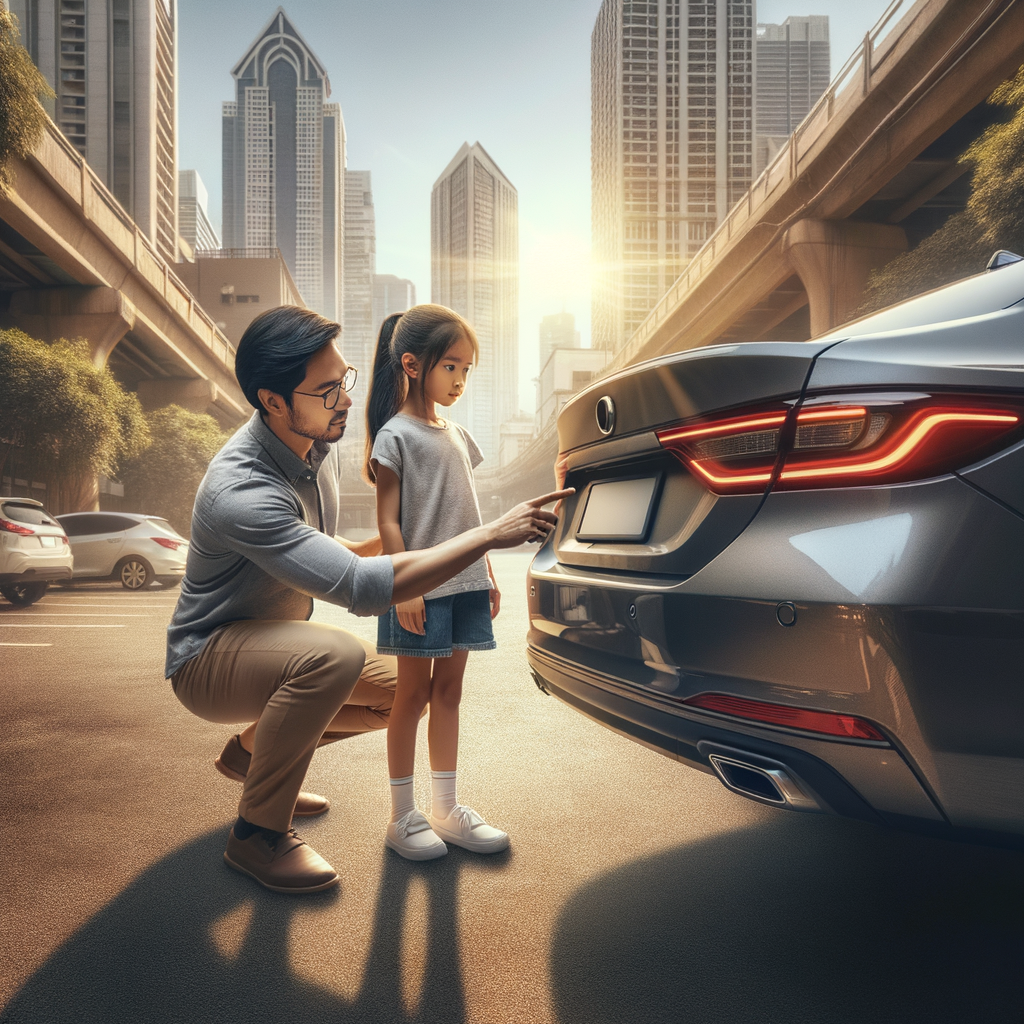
pixel 412 837
pixel 465 828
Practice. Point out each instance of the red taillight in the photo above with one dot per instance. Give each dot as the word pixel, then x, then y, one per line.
pixel 8 527
pixel 892 443
pixel 837 442
pixel 825 722
pixel 732 456
pixel 168 542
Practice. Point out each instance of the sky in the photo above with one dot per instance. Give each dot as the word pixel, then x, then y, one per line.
pixel 416 79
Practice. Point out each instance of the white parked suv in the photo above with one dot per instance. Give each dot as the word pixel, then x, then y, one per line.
pixel 33 550
pixel 135 549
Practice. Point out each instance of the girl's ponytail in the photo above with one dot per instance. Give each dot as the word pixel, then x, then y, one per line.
pixel 387 390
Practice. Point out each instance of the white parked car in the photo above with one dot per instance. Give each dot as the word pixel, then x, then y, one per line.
pixel 33 550
pixel 135 549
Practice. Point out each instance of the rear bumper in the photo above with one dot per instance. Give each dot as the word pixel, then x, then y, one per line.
pixel 870 782
pixel 909 612
pixel 37 574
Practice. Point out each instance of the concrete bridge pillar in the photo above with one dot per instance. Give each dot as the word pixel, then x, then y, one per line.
pixel 833 259
pixel 103 316
pixel 191 393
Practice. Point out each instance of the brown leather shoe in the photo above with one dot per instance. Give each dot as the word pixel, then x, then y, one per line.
pixel 233 761
pixel 280 861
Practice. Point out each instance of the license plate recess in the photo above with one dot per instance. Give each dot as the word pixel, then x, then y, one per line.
pixel 620 510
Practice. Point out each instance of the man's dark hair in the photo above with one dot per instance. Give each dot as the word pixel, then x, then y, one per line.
pixel 275 349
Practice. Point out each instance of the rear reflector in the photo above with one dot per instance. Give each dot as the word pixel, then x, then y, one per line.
pixel 825 722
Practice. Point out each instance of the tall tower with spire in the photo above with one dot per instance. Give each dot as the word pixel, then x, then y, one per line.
pixel 284 163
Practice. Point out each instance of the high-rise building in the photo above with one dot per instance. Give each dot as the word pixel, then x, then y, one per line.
pixel 793 62
pixel 557 331
pixel 474 269
pixel 193 219
pixel 360 263
pixel 113 65
pixel 391 295
pixel 671 144
pixel 284 163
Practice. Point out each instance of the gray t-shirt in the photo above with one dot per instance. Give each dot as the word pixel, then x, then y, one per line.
pixel 435 465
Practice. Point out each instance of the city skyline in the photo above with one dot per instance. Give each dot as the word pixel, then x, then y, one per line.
pixel 393 111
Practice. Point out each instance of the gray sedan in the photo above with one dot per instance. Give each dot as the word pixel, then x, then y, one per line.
pixel 800 565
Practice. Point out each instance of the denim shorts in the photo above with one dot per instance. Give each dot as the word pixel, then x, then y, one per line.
pixel 460 622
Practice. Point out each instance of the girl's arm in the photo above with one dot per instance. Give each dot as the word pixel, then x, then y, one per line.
pixel 418 572
pixel 495 594
pixel 412 614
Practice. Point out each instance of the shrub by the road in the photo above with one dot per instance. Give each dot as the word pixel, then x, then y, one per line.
pixel 163 480
pixel 68 419
pixel 22 119
pixel 993 218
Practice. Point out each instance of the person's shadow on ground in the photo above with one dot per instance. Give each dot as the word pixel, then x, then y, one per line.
pixel 148 957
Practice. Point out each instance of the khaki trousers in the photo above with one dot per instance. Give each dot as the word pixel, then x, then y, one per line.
pixel 308 684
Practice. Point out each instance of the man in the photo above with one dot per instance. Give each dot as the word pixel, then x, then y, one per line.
pixel 239 646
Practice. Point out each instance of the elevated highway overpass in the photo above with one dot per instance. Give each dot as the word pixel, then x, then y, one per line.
pixel 872 169
pixel 73 264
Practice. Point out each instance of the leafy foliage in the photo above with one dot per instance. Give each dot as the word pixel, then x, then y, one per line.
pixel 69 418
pixel 993 219
pixel 22 119
pixel 164 479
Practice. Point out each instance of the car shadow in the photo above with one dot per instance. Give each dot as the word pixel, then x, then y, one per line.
pixel 148 957
pixel 801 919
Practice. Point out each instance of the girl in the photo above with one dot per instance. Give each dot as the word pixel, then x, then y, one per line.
pixel 422 466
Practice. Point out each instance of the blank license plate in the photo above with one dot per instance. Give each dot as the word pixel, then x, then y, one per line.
pixel 619 510
pixel 50 542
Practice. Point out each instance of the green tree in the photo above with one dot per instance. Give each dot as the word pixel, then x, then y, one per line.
pixel 164 479
pixel 993 218
pixel 22 119
pixel 69 419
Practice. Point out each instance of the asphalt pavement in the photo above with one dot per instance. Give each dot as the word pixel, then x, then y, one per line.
pixel 635 889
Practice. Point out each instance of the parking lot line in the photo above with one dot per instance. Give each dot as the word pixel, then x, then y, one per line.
pixel 61 625
pixel 79 614
pixel 102 604
pixel 26 645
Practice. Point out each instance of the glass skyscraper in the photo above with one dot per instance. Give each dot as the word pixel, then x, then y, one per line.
pixel 284 163
pixel 671 145
pixel 474 269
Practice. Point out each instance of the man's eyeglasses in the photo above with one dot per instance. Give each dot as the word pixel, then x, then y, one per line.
pixel 347 383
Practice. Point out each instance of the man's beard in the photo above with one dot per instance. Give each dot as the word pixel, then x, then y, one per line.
pixel 303 429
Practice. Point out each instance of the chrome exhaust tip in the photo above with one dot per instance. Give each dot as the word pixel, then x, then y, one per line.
pixel 760 778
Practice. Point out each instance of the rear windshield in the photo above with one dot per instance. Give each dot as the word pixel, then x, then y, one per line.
pixel 32 514
pixel 163 525
pixel 975 296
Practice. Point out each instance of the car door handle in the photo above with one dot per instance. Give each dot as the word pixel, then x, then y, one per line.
pixel 113 540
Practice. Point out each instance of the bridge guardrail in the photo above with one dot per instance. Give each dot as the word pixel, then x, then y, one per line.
pixel 67 169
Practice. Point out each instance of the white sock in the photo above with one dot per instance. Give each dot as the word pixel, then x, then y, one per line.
pixel 402 798
pixel 442 794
